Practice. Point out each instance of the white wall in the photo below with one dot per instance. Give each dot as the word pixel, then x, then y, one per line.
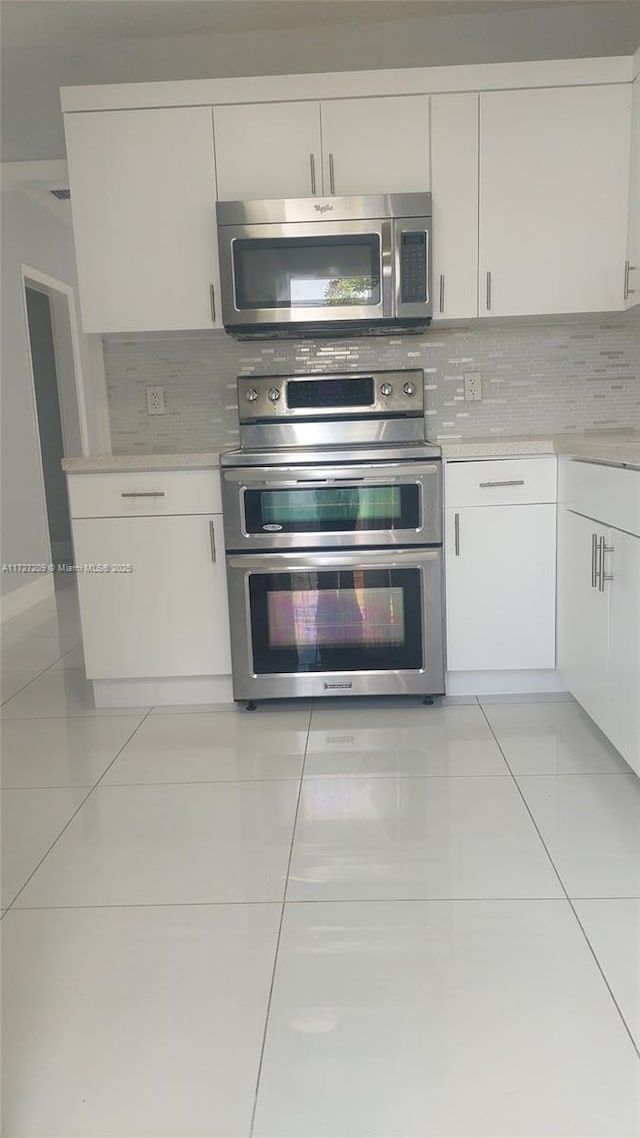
pixel 35 237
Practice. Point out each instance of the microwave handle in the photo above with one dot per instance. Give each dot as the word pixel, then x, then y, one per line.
pixel 387 269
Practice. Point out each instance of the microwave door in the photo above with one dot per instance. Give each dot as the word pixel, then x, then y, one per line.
pixel 412 267
pixel 306 273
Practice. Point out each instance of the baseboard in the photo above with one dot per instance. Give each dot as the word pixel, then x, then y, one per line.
pixel 504 683
pixel 19 600
pixel 162 692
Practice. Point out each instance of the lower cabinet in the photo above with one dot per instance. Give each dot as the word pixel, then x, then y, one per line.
pixel 154 603
pixel 500 587
pixel 599 625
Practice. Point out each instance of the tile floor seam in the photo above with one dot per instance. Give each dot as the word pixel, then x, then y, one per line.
pixel 41 673
pixel 70 820
pixel 565 891
pixel 275 955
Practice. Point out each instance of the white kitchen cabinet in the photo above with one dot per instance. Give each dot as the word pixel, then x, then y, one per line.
pixel 376 145
pixel 500 574
pixel 632 269
pixel 599 598
pixel 554 177
pixel 268 150
pixel 582 613
pixel 454 185
pixel 622 722
pixel 167 617
pixel 143 192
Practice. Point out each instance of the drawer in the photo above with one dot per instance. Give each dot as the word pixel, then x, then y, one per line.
pixel 608 494
pixel 144 493
pixel 500 481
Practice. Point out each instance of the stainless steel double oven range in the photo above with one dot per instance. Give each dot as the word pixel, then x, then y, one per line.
pixel 333 533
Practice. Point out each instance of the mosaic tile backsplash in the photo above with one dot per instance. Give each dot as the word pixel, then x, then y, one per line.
pixel 535 380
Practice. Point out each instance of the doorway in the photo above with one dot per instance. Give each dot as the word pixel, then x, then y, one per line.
pixel 53 366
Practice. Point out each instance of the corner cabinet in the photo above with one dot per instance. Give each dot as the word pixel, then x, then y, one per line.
pixel 500 549
pixel 143 190
pixel 554 178
pixel 599 597
pixel 152 590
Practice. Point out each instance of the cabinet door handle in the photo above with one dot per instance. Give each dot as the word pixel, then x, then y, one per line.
pixel 628 268
pixel 488 292
pixel 594 560
pixel 312 165
pixel 142 494
pixel 212 541
pixel 212 298
pixel 332 179
pixel 508 482
pixel 456 534
pixel 442 292
pixel 604 548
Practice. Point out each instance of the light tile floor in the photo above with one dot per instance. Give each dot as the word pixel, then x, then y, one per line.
pixel 323 920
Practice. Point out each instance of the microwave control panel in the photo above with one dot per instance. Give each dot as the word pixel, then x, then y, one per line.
pixel 413 267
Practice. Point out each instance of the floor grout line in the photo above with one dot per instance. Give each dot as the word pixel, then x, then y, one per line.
pixel 566 894
pixel 70 820
pixel 277 951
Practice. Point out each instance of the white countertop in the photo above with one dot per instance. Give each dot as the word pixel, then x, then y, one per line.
pixel 114 463
pixel 619 448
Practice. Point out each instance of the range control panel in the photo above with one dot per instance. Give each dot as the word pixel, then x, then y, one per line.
pixel 356 395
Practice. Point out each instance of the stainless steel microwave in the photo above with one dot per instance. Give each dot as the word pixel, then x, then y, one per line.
pixel 325 266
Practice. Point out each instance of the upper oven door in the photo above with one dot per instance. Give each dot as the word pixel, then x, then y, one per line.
pixel 377 504
pixel 306 272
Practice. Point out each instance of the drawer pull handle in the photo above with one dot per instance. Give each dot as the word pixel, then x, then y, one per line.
pixel 442 292
pixel 456 534
pixel 143 494
pixel 488 292
pixel 509 482
pixel 212 542
pixel 604 548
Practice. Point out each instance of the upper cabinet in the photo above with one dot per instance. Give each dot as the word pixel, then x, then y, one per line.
pixel 376 145
pixel 632 266
pixel 143 194
pixel 268 150
pixel 553 200
pixel 342 146
pixel 454 186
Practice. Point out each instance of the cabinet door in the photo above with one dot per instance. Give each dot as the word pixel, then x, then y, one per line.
pixel 169 616
pixel 268 150
pixel 622 723
pixel 632 274
pixel 582 614
pixel 554 176
pixel 454 183
pixel 500 587
pixel 143 194
pixel 376 146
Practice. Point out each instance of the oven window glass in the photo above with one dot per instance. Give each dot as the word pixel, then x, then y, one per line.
pixel 306 272
pixel 333 509
pixel 336 620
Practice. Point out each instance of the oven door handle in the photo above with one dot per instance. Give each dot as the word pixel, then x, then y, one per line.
pixel 374 474
pixel 331 559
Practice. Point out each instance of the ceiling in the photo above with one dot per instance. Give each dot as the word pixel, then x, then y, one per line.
pixel 46 44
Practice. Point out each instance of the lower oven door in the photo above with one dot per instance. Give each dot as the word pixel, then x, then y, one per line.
pixel 336 623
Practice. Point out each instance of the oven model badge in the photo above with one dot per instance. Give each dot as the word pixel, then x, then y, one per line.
pixel 337 687
pixel 323 208
pixel 272 527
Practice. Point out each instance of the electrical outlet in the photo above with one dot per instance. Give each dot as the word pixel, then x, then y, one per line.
pixel 472 386
pixel 155 401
